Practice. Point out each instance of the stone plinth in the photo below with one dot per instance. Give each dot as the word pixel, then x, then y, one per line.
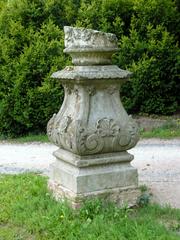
pixel 92 129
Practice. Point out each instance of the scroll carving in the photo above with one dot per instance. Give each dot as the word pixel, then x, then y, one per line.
pixel 106 135
pixel 57 131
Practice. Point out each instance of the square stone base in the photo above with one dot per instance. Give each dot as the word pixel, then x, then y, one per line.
pixel 106 176
pixel 121 196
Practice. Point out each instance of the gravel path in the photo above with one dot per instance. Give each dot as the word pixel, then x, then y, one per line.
pixel 158 164
pixel 157 161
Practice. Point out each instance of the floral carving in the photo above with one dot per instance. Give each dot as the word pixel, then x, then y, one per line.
pixel 52 130
pixel 56 128
pixel 133 129
pixel 106 136
pixel 129 136
pixel 89 143
pixel 107 127
pixel 124 139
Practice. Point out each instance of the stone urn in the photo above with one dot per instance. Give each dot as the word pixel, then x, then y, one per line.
pixel 92 129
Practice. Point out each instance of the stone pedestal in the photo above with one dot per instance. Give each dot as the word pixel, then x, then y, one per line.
pixel 92 129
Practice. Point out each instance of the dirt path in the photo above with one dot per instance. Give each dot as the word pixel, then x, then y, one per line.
pixel 157 161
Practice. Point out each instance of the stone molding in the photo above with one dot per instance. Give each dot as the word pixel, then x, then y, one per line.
pixel 96 159
pixel 107 72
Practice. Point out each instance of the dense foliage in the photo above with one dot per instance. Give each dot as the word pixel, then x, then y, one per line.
pixel 31 48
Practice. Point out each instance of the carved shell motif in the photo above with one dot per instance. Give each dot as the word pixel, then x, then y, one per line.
pixel 107 127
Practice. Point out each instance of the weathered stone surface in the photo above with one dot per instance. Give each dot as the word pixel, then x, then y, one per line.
pixel 124 196
pixel 93 47
pixel 92 160
pixel 92 129
pixel 92 120
pixel 95 173
pixel 97 74
pixel 88 38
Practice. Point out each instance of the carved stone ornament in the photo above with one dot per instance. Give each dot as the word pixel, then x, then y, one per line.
pixel 92 118
pixel 92 126
pixel 88 38
pixel 93 47
pixel 105 136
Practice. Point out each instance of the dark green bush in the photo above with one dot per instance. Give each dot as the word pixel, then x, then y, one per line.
pixel 33 97
pixel 29 51
pixel 156 12
pixel 109 16
pixel 31 48
pixel 155 86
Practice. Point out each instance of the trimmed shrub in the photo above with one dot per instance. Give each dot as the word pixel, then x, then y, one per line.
pixel 30 96
pixel 31 48
pixel 108 16
pixel 156 12
pixel 155 63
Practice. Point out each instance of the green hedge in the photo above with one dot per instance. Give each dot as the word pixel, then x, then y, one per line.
pixel 31 48
pixel 154 60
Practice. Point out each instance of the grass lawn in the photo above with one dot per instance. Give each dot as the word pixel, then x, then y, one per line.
pixel 28 138
pixel 161 133
pixel 29 212
pixel 167 131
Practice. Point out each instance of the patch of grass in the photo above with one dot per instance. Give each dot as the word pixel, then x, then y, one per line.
pixel 161 133
pixel 28 138
pixel 13 232
pixel 28 211
pixel 167 131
